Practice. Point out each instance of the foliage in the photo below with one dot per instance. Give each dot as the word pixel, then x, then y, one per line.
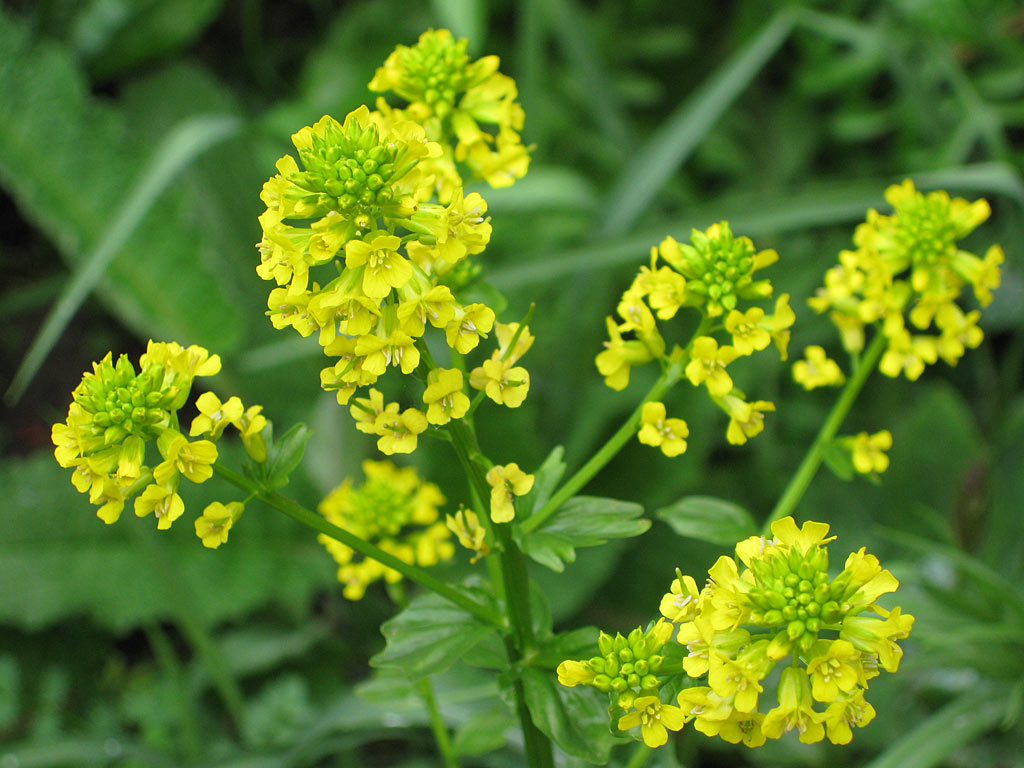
pixel 134 140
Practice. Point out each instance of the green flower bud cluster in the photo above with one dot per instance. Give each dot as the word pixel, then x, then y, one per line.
pixel 792 590
pixel 927 233
pixel 124 402
pixel 117 409
pixel 719 268
pixel 434 72
pixel 350 170
pixel 627 667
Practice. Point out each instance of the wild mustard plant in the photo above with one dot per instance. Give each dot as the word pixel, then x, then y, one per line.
pixel 370 240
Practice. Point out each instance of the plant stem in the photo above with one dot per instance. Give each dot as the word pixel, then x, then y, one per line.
pixel 515 586
pixel 444 742
pixel 640 756
pixel 812 460
pixel 397 594
pixel 607 452
pixel 316 522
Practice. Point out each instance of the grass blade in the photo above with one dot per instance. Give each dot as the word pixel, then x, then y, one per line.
pixel 569 24
pixel 673 142
pixel 956 724
pixel 182 145
pixel 778 210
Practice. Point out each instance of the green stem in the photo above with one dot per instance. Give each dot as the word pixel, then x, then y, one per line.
pixel 195 628
pixel 444 742
pixel 607 452
pixel 182 698
pixel 317 523
pixel 515 585
pixel 812 460
pixel 640 756
pixel 397 594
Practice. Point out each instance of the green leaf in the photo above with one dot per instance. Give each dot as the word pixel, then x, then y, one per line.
pixel 81 173
pixel 583 521
pixel 576 719
pixel 837 458
pixel 953 726
pixel 545 480
pixel 428 636
pixel 709 519
pixel 285 454
pixel 180 147
pixel 577 644
pixel 58 561
pixel 117 36
pixel 483 732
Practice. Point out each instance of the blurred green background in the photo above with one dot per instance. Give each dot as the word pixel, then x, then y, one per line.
pixel 134 137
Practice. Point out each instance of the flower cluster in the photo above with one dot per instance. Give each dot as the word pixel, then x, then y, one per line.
pixel 628 669
pixel 118 410
pixel 909 267
pixel 457 101
pixel 379 202
pixel 777 606
pixel 394 509
pixel 713 274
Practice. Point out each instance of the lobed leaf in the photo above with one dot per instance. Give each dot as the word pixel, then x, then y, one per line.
pixel 709 519
pixel 428 636
pixel 574 718
pixel 583 521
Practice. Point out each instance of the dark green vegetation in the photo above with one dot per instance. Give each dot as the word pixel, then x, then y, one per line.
pixel 134 137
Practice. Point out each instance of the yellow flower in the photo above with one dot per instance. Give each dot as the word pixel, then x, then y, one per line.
pixel 466 527
pixel 680 603
pixel 365 411
pixel 811 534
pixel 399 431
pixel 746 420
pixel 747 332
pixel 397 349
pixel 619 356
pixel 908 355
pixel 506 332
pixel 847 710
pixel 503 384
pixel 383 267
pixel 507 481
pixel 656 430
pixel 817 370
pixel 216 522
pixel 707 365
pixel 795 709
pixel 739 677
pixel 959 332
pixel 194 460
pixel 444 396
pixel 250 426
pixel 869 452
pixel 779 323
pixel 214 415
pixel 470 323
pixel 654 718
pixel 833 669
pixel 108 496
pixel 163 502
pixel 573 673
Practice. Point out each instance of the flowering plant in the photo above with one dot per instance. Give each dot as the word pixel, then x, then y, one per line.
pixel 371 241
